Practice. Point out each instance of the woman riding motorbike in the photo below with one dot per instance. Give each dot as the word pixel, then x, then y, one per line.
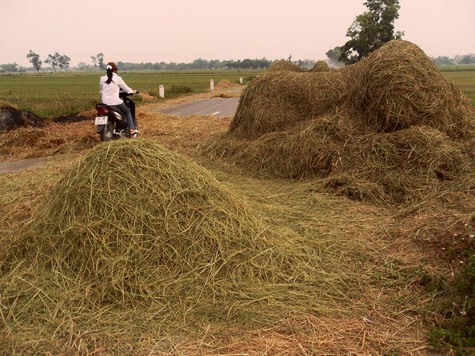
pixel 110 85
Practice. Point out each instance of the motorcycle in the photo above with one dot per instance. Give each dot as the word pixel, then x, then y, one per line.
pixel 111 123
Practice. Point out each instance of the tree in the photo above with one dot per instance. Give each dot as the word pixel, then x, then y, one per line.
pixel 441 60
pixel 9 67
pixel 34 59
pixel 468 59
pixel 98 60
pixel 53 60
pixel 64 61
pixel 57 60
pixel 94 61
pixel 371 30
pixel 83 66
pixel 334 55
pixel 200 63
pixel 247 63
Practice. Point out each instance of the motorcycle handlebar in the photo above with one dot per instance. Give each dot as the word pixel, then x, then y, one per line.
pixel 123 94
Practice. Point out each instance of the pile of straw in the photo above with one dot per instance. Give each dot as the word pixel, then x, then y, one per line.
pixel 224 84
pixel 11 118
pixel 140 231
pixel 320 66
pixel 284 66
pixel 138 250
pixel 398 87
pixel 390 125
pixel 279 100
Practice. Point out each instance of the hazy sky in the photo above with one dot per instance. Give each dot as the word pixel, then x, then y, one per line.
pixel 184 30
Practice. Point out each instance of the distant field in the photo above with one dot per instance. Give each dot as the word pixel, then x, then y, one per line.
pixel 465 80
pixel 49 95
pixel 457 67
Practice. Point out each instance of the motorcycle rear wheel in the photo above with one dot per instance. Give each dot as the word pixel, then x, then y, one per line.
pixel 108 132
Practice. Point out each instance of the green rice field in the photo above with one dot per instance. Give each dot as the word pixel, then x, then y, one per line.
pixel 465 80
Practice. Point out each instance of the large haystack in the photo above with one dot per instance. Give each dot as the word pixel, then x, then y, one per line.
pixel 279 100
pixel 399 86
pixel 137 229
pixel 387 128
pixel 395 87
pixel 392 167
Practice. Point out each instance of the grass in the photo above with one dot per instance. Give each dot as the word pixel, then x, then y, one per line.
pixel 458 331
pixel 456 67
pixel 465 80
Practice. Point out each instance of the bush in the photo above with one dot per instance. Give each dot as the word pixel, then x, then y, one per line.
pixel 176 89
pixel 458 331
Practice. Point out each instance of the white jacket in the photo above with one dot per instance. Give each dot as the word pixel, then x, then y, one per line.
pixel 110 92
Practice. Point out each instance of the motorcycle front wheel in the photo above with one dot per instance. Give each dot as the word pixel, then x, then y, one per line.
pixel 108 132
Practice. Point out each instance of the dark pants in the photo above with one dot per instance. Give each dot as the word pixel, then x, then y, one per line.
pixel 128 115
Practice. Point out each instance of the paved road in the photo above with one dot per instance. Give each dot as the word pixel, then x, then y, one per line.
pixel 221 107
pixel 7 167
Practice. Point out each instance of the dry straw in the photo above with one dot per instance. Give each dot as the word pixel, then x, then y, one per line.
pixel 138 250
pixel 283 65
pixel 320 66
pixel 277 101
pixel 73 283
pixel 399 87
pixel 27 142
pixel 138 234
pixel 385 129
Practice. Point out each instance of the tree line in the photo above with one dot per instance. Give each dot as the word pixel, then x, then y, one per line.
pixel 368 32
pixel 61 62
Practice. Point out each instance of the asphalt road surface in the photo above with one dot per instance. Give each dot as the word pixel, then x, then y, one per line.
pixel 7 167
pixel 220 107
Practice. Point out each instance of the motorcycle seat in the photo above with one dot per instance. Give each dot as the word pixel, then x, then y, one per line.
pixel 102 105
